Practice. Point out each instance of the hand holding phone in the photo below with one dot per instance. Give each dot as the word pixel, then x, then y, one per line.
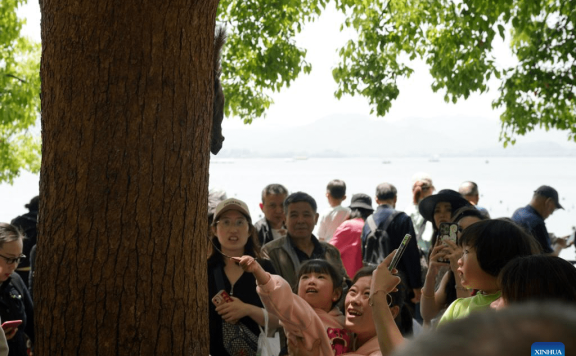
pixel 447 231
pixel 399 252
pixel 221 298
pixel 11 324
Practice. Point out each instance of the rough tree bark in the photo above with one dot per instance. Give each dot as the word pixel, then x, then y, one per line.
pixel 127 91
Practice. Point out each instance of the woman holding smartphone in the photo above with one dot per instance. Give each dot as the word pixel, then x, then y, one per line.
pixel 234 236
pixel 441 287
pixel 15 301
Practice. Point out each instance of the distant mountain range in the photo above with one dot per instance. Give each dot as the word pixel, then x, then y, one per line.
pixel 358 136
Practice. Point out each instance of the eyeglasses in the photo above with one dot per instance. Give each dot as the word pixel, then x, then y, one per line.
pixel 11 260
pixel 228 223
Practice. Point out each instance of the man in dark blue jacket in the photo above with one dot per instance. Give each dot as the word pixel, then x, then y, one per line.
pixel 401 224
pixel 531 217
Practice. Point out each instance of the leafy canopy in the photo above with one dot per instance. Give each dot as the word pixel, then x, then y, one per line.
pixel 455 39
pixel 260 55
pixel 19 95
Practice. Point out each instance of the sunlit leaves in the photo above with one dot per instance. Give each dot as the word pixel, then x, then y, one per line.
pixel 455 39
pixel 261 55
pixel 19 95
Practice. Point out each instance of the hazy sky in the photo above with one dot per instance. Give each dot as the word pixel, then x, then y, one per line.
pixel 311 97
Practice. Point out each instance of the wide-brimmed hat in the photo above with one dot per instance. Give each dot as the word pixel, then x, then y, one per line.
pixel 231 204
pixel 427 205
pixel 362 201
pixel 549 192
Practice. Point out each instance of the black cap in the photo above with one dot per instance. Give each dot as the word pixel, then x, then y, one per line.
pixel 362 201
pixel 428 204
pixel 549 192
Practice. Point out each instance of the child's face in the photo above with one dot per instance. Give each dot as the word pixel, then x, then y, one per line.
pixel 472 275
pixel 317 289
pixel 358 310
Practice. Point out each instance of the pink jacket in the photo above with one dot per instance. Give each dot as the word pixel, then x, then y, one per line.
pixel 310 331
pixel 347 239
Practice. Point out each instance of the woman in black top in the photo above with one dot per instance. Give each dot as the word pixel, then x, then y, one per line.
pixel 15 301
pixel 234 236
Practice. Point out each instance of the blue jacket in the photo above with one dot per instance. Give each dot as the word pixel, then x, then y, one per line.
pixel 532 221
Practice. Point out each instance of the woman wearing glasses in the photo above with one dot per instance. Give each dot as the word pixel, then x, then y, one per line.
pixel 15 301
pixel 234 236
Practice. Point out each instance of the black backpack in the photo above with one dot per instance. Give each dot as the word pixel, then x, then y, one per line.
pixel 377 244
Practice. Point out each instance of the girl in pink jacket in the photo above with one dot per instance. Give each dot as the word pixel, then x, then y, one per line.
pixel 311 321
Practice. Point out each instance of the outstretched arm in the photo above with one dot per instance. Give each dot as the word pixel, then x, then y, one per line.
pixel 384 282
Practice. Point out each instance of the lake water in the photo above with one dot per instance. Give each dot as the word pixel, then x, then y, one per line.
pixel 504 183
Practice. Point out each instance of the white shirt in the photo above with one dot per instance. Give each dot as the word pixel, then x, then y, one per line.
pixel 330 220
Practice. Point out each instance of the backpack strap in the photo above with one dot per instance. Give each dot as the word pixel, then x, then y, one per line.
pixel 377 244
pixel 371 223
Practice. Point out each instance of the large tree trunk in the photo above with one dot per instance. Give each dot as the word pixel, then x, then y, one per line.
pixel 127 88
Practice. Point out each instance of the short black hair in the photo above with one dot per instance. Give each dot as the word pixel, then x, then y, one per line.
pixel 385 191
pixel 336 188
pixel 273 189
pixel 497 242
pixel 300 197
pixel 322 266
pixel 538 278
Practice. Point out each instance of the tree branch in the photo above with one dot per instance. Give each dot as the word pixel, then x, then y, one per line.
pixel 15 77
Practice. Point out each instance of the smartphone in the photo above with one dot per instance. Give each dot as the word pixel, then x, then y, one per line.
pixel 399 252
pixel 571 238
pixel 221 298
pixel 11 324
pixel 447 231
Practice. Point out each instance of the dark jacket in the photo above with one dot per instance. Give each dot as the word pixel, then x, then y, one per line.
pixel 16 304
pixel 27 223
pixel 534 224
pixel 409 264
pixel 244 289
pixel 264 231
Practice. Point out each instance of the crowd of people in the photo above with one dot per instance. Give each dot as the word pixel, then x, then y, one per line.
pixel 325 281
pixel 323 284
